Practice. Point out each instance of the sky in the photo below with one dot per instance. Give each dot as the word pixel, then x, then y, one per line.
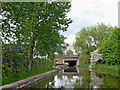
pixel 85 13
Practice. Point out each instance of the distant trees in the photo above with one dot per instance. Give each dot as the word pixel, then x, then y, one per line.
pixel 69 52
pixel 36 24
pixel 90 38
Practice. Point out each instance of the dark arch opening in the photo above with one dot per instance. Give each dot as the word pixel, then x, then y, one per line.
pixel 71 63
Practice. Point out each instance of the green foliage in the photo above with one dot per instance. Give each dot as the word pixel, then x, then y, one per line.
pixel 110 48
pixel 42 63
pixel 69 53
pixel 85 66
pixel 107 69
pixel 85 79
pixel 17 62
pixel 19 76
pixel 107 82
pixel 40 29
pixel 90 38
pixel 6 70
pixel 14 59
pixel 39 65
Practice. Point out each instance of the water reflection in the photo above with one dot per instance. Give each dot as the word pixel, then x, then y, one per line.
pixel 69 71
pixel 74 77
pixel 96 79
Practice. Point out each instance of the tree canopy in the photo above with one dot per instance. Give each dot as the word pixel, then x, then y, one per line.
pixel 90 38
pixel 36 24
pixel 69 52
pixel 110 48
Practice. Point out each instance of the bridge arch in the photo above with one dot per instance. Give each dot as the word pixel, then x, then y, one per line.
pixel 72 61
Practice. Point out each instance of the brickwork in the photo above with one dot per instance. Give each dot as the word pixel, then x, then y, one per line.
pixel 60 61
pixel 67 57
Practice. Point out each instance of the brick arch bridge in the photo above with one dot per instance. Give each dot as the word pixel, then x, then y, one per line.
pixel 72 61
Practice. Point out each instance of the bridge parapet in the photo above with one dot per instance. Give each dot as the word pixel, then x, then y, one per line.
pixel 67 58
pixel 70 60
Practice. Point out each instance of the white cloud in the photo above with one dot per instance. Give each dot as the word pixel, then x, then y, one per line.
pixel 70 39
pixel 85 13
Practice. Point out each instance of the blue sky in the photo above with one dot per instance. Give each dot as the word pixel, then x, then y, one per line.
pixel 85 13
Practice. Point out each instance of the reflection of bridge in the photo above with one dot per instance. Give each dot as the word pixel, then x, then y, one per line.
pixel 70 71
pixel 72 61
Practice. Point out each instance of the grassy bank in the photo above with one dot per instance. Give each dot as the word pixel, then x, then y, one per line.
pixel 84 66
pixel 107 69
pixel 104 68
pixel 19 76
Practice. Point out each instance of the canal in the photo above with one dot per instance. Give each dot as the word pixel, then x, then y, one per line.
pixel 74 77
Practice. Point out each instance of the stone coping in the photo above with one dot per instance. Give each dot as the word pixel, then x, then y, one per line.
pixel 27 81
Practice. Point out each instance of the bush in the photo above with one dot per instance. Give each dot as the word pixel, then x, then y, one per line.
pixel 110 48
pixel 6 70
pixel 13 62
pixel 42 63
pixel 16 62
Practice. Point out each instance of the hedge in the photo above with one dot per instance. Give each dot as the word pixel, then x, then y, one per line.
pixel 110 49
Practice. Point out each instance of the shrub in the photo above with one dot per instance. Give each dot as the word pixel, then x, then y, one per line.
pixel 13 62
pixel 6 70
pixel 110 48
pixel 42 63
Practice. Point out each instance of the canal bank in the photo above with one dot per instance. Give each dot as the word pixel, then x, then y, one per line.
pixel 31 80
pixel 76 77
pixel 104 68
pixel 28 81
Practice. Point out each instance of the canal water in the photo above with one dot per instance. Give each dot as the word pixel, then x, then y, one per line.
pixel 74 77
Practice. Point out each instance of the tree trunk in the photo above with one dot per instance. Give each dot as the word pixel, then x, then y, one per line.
pixel 30 56
pixel 30 53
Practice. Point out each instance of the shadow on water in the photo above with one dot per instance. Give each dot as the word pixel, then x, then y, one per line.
pixel 74 77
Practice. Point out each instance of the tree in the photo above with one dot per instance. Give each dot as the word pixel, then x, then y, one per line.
pixel 69 53
pixel 110 48
pixel 90 38
pixel 38 27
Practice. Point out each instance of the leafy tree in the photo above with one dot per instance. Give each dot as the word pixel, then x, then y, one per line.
pixel 90 38
pixel 110 48
pixel 69 52
pixel 36 24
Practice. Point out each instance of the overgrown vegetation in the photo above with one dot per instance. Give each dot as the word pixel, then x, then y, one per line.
pixel 90 38
pixel 32 32
pixel 19 76
pixel 110 48
pixel 69 52
pixel 106 38
pixel 107 69
pixel 85 66
pixel 39 65
pixel 38 28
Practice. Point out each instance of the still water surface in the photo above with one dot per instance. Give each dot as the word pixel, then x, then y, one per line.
pixel 74 77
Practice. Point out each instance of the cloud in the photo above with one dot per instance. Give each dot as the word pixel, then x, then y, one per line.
pixel 70 39
pixel 86 13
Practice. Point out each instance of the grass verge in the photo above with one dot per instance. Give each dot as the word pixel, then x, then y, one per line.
pixel 104 68
pixel 84 66
pixel 107 69
pixel 19 76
